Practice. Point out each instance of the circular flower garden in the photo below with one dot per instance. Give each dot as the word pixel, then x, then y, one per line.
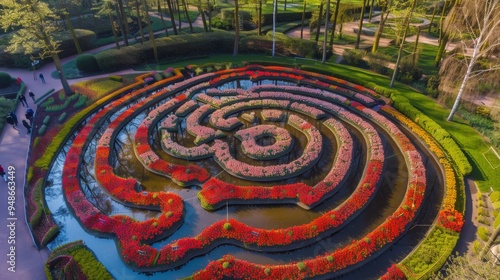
pixel 279 172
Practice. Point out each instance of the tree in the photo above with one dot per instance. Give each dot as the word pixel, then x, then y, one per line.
pixel 334 21
pixel 468 267
pixel 151 34
pixel 480 23
pixel 303 19
pixel 123 22
pixel 236 27
pixel 318 26
pixel 187 16
pixel 105 8
pixel 361 15
pixel 384 15
pixel 406 26
pixel 172 17
pixel 327 17
pixel 160 11
pixel 36 34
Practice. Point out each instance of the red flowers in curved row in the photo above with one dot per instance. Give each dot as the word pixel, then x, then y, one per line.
pixel 451 219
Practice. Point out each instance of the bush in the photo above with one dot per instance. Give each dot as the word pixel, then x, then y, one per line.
pixel 87 63
pixel 483 233
pixel 408 72
pixel 432 86
pixel 46 120
pixel 62 117
pixel 353 57
pixel 41 130
pixel 116 78
pixel 168 47
pixel 86 39
pixel 495 196
pixel 378 62
pixel 301 266
pixel 5 79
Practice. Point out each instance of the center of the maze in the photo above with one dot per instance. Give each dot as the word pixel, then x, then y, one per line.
pixel 251 137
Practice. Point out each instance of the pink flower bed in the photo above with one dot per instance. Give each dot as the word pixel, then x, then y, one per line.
pixel 250 147
pixel 186 108
pixel 272 115
pixel 260 173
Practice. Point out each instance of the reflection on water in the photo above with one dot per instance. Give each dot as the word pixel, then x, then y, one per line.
pixel 387 199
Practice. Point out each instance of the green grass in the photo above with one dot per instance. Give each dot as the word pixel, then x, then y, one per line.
pixel 426 57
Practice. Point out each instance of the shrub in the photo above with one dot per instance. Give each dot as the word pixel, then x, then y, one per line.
pixel 5 79
pixel 267 271
pixel 46 120
pixel 87 63
pixel 116 78
pixel 225 265
pixel 495 196
pixel 408 72
pixel 301 266
pixel 378 62
pixel 353 57
pixel 476 247
pixel 483 233
pixel 432 86
pixel 227 226
pixel 62 117
pixel 48 102
pixel 41 130
pixel 496 223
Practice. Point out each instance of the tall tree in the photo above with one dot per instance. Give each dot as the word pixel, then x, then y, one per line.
pixel 334 21
pixel 172 17
pixel 105 8
pixel 202 13
pixel 139 18
pixel 325 38
pixel 160 11
pixel 406 26
pixel 384 5
pixel 360 27
pixel 303 18
pixel 480 23
pixel 434 10
pixel 36 31
pixel 444 30
pixel 151 35
pixel 123 22
pixel 236 27
pixel 187 16
pixel 318 27
pixel 467 267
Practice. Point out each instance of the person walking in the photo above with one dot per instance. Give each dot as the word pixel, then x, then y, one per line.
pixel 10 121
pixel 29 115
pixel 28 127
pixel 42 78
pixel 31 94
pixel 2 173
pixel 23 100
pixel 14 117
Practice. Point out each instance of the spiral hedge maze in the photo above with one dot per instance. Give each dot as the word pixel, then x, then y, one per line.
pixel 279 136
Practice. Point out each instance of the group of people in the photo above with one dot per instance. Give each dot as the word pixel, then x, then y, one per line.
pixel 30 114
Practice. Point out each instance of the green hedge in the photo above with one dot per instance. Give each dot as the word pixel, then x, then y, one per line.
pixel 285 45
pixel 87 63
pixel 5 79
pixel 84 257
pixel 402 104
pixel 168 47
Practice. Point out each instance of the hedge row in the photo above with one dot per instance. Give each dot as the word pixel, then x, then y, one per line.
pixel 168 47
pixel 85 259
pixel 285 45
pixel 86 38
pixel 402 104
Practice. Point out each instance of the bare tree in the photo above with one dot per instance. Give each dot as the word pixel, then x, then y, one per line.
pixel 480 23
pixel 468 267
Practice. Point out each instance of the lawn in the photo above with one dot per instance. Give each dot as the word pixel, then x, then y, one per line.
pixel 426 58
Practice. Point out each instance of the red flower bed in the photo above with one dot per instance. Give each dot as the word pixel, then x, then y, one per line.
pixel 451 219
pixel 394 273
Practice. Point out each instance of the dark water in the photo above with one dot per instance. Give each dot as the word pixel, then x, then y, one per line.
pixel 388 197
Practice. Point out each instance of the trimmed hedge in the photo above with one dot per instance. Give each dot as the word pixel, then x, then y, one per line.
pixel 173 46
pixel 5 79
pixel 87 63
pixel 402 104
pixel 285 45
